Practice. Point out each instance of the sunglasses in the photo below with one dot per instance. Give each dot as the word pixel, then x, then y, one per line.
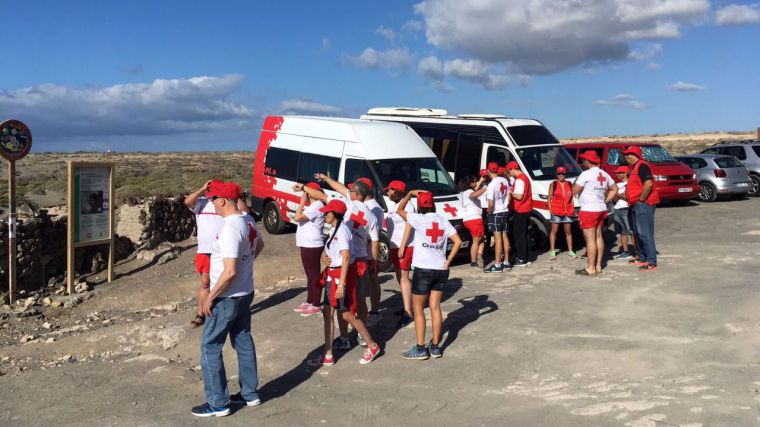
pixel 560 173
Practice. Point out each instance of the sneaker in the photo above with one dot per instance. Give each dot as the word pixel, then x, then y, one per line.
pixel 623 255
pixel 638 262
pixel 207 410
pixel 369 355
pixel 341 343
pixel 522 263
pixel 494 269
pixel 302 307
pixel 434 350
pixel 323 360
pixel 635 260
pixel 373 319
pixel 416 353
pixel 507 266
pixel 648 267
pixel 572 254
pixel 553 254
pixel 237 399
pixel 361 341
pixel 311 310
pixel 474 264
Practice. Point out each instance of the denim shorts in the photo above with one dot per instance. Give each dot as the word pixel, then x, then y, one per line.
pixel 498 222
pixel 622 222
pixel 426 280
pixel 567 219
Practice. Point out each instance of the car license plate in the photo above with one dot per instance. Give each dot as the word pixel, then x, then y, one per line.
pixel 465 244
pixel 742 184
pixel 684 190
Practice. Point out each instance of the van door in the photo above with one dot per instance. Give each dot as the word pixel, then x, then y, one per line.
pixel 496 153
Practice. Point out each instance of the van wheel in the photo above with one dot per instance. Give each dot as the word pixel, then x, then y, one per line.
pixel 754 190
pixel 383 254
pixel 537 234
pixel 707 192
pixel 273 222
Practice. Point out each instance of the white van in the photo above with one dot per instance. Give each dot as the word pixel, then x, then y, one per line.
pixel 465 144
pixel 293 148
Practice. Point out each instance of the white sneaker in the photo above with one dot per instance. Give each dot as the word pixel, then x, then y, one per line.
pixel 361 341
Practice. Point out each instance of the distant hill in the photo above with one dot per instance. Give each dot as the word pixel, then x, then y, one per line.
pixel 677 143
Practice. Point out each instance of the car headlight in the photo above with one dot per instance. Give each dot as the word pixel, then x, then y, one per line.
pixel 660 178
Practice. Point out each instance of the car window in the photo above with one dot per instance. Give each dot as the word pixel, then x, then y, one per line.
pixel 711 151
pixel 728 162
pixel 311 164
pixel 615 157
pixel 701 163
pixel 756 149
pixel 734 150
pixel 499 155
pixel 282 163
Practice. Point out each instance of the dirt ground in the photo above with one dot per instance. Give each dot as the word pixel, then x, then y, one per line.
pixel 534 346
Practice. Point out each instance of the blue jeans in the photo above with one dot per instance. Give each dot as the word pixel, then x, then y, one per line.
pixel 233 317
pixel 643 227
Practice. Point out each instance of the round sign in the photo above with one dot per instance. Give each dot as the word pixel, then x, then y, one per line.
pixel 15 140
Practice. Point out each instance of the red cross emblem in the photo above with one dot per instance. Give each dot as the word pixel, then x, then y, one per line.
pixel 450 209
pixel 434 232
pixel 602 180
pixel 503 187
pixel 251 236
pixel 358 219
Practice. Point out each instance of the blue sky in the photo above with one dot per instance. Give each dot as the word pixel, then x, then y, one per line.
pixel 191 75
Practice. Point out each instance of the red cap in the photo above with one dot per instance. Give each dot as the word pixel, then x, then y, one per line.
pixel 424 199
pixel 591 156
pixel 483 172
pixel 227 190
pixel 237 188
pixel 366 181
pixel 493 167
pixel 314 185
pixel 621 169
pixel 635 150
pixel 502 171
pixel 334 205
pixel 213 184
pixel 561 169
pixel 512 165
pixel 396 185
pixel 350 185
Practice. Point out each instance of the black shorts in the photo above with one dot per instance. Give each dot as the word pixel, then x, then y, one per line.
pixel 341 304
pixel 498 223
pixel 426 280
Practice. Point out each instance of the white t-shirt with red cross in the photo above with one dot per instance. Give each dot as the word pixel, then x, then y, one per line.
pixel 395 225
pixel 431 234
pixel 363 225
pixel 309 231
pixel 208 223
pixel 337 242
pixel 237 239
pixel 472 207
pixel 497 190
pixel 595 183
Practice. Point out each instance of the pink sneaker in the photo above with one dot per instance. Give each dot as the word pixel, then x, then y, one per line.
pixel 311 310
pixel 370 354
pixel 302 307
pixel 323 360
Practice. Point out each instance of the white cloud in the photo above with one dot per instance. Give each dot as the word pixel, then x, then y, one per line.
pixel 375 59
pixel 326 44
pixel 413 25
pixel 738 14
pixel 653 66
pixel 647 52
pixel 386 33
pixel 163 107
pixel 473 71
pixel 680 86
pixel 549 36
pixel 431 68
pixel 308 107
pixel 622 100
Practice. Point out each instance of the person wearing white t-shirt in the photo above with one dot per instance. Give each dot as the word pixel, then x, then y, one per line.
pixel 207 223
pixel 497 194
pixel 471 188
pixel 594 188
pixel 401 246
pixel 227 306
pixel 621 213
pixel 431 269
pixel 310 241
pixel 483 199
pixel 374 317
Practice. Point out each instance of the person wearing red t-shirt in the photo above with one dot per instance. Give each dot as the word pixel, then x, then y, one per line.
pixel 431 269
pixel 595 188
pixel 642 199
pixel 560 201
pixel 522 195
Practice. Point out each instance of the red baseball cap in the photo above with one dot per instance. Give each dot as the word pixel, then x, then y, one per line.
pixel 635 150
pixel 561 169
pixel 226 190
pixel 483 172
pixel 591 156
pixel 366 181
pixel 424 199
pixel 493 167
pixel 501 171
pixel 621 169
pixel 314 185
pixel 212 184
pixel 237 188
pixel 512 165
pixel 335 206
pixel 396 185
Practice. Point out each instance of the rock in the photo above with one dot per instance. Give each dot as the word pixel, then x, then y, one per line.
pixel 167 257
pixel 67 358
pixel 47 325
pixel 28 302
pixel 147 255
pixel 49 340
pixel 46 301
pixel 82 287
pixel 56 303
pixel 26 338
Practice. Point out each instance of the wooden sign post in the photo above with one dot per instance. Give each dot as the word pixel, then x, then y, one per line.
pixel 90 212
pixel 15 143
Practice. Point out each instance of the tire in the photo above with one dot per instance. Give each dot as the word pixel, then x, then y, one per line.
pixel 383 254
pixel 754 190
pixel 272 219
pixel 537 234
pixel 707 192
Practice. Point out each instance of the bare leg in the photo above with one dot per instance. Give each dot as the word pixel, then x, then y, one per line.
pixel 498 247
pixel 406 292
pixel 505 242
pixel 474 249
pixel 358 325
pixel 436 315
pixel 624 242
pixel 568 236
pixel 342 325
pixel 599 248
pixel 553 237
pixel 418 303
pixel 328 313
pixel 589 234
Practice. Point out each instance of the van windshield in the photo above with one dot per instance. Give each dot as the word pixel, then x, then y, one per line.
pixel 542 162
pixel 425 173
pixel 656 154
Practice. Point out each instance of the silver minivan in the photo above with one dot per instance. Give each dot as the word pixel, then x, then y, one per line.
pixel 718 175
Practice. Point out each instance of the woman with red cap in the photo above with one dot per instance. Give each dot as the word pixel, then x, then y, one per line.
pixel 561 208
pixel 401 245
pixel 431 269
pixel 471 189
pixel 309 239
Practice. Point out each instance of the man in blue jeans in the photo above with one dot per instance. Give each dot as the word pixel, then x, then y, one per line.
pixel 227 307
pixel 642 198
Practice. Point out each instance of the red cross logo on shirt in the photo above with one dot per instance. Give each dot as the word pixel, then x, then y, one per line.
pixel 434 232
pixel 358 219
pixel 503 187
pixel 602 180
pixel 450 209
pixel 251 236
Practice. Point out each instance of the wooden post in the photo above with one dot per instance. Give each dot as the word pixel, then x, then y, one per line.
pixel 111 223
pixel 70 230
pixel 12 231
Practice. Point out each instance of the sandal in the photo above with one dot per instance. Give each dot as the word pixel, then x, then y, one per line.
pixel 583 272
pixel 198 321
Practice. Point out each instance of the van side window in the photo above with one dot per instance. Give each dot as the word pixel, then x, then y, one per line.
pixel 444 144
pixel 502 156
pixel 468 159
pixel 615 157
pixel 282 163
pixel 356 169
pixel 313 163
